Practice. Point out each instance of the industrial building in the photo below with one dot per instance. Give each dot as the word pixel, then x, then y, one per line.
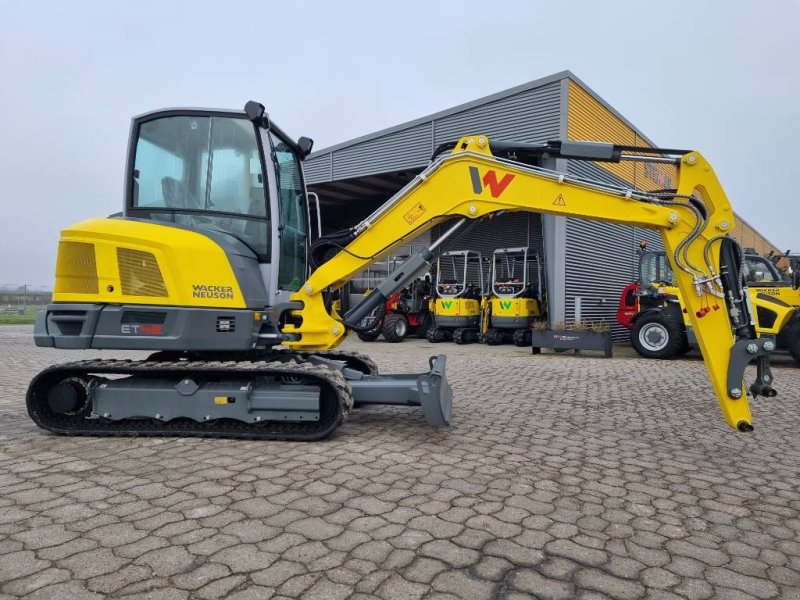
pixel 586 263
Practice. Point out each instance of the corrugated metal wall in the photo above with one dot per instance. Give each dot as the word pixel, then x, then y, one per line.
pixel 529 116
pixel 317 169
pixel 404 149
pixel 589 119
pixel 601 259
pixel 748 237
pixel 513 230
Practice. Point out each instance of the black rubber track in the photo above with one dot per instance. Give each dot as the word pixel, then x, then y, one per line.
pixel 354 360
pixel 335 399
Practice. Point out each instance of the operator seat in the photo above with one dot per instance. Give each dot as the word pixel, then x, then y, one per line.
pixel 177 195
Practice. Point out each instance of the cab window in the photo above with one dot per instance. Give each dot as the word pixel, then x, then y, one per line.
pixel 293 220
pixel 759 270
pixel 202 172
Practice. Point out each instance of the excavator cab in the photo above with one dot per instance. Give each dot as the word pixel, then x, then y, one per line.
pixel 224 173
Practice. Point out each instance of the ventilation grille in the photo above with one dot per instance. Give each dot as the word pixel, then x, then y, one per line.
pixel 76 269
pixel 226 324
pixel 139 273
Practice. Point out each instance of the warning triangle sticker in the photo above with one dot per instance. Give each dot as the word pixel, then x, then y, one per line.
pixel 559 201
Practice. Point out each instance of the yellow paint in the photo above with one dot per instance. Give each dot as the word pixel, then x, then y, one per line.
pixel 447 191
pixel 220 400
pixel 515 307
pixel 178 258
pixel 457 307
pixel 414 214
pixel 588 119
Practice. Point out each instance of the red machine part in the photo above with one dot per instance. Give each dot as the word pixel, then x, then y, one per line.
pixel 628 305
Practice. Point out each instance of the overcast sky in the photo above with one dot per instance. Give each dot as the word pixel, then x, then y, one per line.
pixel 721 77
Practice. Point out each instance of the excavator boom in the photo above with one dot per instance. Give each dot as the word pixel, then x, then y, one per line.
pixel 472 183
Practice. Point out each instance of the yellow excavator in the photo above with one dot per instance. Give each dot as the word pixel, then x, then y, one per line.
pixel 212 266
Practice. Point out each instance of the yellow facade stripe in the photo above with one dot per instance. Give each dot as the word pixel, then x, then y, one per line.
pixel 588 119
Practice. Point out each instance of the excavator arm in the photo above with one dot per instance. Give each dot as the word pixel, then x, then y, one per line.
pixel 473 183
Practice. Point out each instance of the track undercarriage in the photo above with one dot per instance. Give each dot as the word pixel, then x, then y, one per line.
pixel 273 395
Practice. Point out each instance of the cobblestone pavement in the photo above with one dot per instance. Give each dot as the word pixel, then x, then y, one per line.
pixel 562 477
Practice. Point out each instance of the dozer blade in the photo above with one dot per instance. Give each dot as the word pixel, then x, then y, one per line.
pixel 429 390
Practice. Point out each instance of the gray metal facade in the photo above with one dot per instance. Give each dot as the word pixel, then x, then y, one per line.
pixel 527 116
pixel 601 259
pixel 587 260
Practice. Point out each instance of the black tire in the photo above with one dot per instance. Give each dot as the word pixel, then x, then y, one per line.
pixel 425 323
pixel 395 328
pixel 789 338
pixel 656 336
pixel 368 336
pixel 372 325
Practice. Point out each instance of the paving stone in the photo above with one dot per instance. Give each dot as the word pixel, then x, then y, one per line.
pixel 423 570
pixel 448 552
pixel 533 582
pixel 755 586
pixel 219 588
pixel 459 583
pixel 165 562
pixel 68 590
pixel 277 573
pixel 244 558
pixel 42 537
pixel 576 552
pixel 621 589
pixel 92 563
pixel 33 582
pixel 397 588
pixel 601 499
pixel 200 576
pixel 315 528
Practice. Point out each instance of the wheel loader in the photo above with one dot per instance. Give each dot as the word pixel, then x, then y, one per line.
pixel 211 268
pixel 457 307
pixel 516 301
pixel 662 326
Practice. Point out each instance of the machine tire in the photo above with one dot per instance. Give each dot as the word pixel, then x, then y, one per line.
pixel 657 336
pixel 368 336
pixel 425 323
pixel 790 338
pixel 395 328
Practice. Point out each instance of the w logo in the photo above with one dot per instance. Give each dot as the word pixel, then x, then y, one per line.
pixel 447 303
pixel 489 180
pixel 506 304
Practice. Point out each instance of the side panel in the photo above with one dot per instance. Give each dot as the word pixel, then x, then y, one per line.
pixel 136 262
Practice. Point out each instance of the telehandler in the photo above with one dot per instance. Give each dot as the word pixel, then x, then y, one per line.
pixel 208 266
pixel 662 327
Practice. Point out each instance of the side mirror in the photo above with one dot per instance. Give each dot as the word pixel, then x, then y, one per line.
pixel 305 144
pixel 796 279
